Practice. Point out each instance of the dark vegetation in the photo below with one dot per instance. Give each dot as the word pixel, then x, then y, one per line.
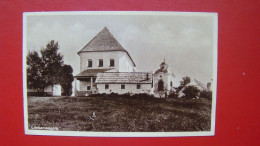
pixel 120 113
pixel 191 92
pixel 47 68
pixel 185 80
pixel 206 94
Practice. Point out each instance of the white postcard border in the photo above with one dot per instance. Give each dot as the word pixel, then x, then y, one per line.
pixel 123 134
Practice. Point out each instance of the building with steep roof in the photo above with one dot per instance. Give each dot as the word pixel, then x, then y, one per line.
pixel 102 54
pixel 106 67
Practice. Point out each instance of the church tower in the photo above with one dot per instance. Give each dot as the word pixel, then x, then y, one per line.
pixel 163 81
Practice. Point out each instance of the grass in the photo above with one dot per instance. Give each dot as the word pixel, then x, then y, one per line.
pixel 119 114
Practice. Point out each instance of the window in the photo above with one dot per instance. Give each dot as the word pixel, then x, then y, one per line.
pixel 138 86
pixel 100 64
pixel 89 63
pixel 106 86
pixel 171 83
pixel 122 86
pixel 88 87
pixel 160 85
pixel 112 62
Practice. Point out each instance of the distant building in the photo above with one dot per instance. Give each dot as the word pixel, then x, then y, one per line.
pixel 198 84
pixel 106 67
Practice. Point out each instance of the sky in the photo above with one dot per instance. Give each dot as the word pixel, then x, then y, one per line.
pixel 185 42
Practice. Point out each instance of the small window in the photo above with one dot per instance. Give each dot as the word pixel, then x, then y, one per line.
pixel 122 86
pixel 112 62
pixel 89 63
pixel 100 64
pixel 106 86
pixel 88 87
pixel 138 86
pixel 171 83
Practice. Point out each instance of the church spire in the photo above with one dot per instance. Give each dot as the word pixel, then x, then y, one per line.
pixel 163 65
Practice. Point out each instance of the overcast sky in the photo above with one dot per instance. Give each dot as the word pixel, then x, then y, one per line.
pixel 186 42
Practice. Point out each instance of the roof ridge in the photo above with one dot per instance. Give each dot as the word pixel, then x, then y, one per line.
pixel 92 39
pixel 105 30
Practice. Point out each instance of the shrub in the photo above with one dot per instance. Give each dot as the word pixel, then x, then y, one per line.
pixel 206 94
pixel 173 94
pixel 40 94
pixel 191 92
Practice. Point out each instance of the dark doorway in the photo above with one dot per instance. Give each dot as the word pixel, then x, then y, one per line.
pixel 160 85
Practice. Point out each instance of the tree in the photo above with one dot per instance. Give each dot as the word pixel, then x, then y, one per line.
pixel 48 69
pixel 191 92
pixel 206 94
pixel 185 80
pixel 53 62
pixel 35 71
pixel 66 79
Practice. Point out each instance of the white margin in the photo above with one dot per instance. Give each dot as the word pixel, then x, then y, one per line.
pixel 123 134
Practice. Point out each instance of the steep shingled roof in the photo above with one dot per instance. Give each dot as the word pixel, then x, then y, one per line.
pixel 104 41
pixel 201 84
pixel 124 77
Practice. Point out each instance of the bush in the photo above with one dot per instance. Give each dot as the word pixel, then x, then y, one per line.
pixel 206 94
pixel 40 94
pixel 173 94
pixel 191 92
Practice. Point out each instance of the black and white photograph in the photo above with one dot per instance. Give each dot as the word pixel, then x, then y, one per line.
pixel 120 73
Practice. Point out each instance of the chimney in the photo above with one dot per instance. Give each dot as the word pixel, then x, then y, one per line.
pixel 209 86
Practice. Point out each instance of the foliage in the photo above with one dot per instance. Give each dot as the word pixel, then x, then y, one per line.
pixel 173 94
pixel 48 69
pixel 53 62
pixel 191 92
pixel 66 80
pixel 206 94
pixel 35 68
pixel 185 80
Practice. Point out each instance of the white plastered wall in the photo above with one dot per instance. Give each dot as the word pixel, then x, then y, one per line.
pixel 129 88
pixel 121 60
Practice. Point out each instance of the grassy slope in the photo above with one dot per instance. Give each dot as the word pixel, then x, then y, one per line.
pixel 119 114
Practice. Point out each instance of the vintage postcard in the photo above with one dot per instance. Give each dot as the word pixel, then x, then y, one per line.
pixel 120 74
